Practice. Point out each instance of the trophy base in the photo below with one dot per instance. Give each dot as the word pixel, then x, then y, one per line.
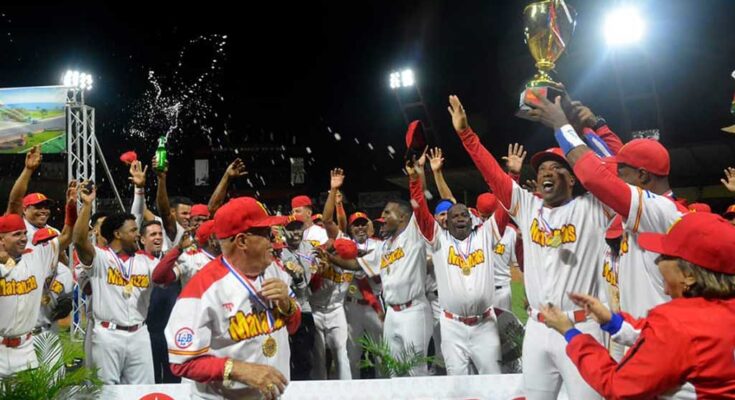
pixel 529 100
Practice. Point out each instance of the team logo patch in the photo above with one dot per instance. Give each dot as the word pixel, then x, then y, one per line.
pixel 184 338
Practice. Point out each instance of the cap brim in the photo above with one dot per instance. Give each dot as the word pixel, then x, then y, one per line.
pixel 653 242
pixel 275 220
pixel 359 219
pixel 540 157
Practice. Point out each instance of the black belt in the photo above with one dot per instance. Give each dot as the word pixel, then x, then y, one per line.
pixel 498 287
pixel 37 330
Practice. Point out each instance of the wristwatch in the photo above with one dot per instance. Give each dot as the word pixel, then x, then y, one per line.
pixel 599 124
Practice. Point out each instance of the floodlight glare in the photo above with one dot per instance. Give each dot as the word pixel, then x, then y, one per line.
pixel 623 26
pixel 395 80
pixel 407 78
pixel 76 79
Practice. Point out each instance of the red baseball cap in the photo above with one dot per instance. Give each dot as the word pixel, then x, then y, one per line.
pixel 35 198
pixel 295 219
pixel 554 154
pixel 241 214
pixel 358 215
pixel 317 217
pixel 11 223
pixel 700 207
pixel 345 248
pixel 415 139
pixel 43 235
pixel 200 210
pixel 704 239
pixel 301 201
pixel 648 154
pixel 487 203
pixel 205 230
pixel 128 157
pixel 730 212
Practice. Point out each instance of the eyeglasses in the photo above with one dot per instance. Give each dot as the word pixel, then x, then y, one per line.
pixel 266 233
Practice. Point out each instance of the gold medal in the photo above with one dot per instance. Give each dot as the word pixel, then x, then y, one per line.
pixel 128 290
pixel 466 270
pixel 555 241
pixel 270 347
pixel 45 299
pixel 352 289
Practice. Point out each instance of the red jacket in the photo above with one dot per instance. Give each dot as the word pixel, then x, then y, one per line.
pixel 684 340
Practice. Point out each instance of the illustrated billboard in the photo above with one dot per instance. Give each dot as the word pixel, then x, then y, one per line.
pixel 32 116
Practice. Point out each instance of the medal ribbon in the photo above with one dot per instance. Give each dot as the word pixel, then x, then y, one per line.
pixel 121 265
pixel 253 292
pixel 206 253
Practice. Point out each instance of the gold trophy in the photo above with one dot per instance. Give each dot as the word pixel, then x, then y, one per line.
pixel 548 26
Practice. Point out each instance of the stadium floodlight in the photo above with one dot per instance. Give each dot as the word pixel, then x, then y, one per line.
pixel 77 80
pixel 404 78
pixel 624 26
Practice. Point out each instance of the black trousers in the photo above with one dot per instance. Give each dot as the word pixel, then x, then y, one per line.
pixel 161 368
pixel 302 343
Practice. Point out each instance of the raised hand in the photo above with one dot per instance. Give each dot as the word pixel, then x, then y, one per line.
pixel 548 113
pixel 33 158
pixel 436 160
pixel 236 169
pixel 71 192
pixel 88 192
pixel 459 117
pixel 337 178
pixel 729 180
pixel 411 169
pixel 531 185
pixel 515 157
pixel 137 173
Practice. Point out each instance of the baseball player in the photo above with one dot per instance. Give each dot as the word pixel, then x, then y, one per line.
pixel 175 212
pixel 363 309
pixel 465 277
pixel 34 207
pixel 300 263
pixel 182 264
pixel 23 270
pixel 563 251
pixel 199 214
pixel 639 193
pixel 120 277
pixel 315 234
pixel 400 261
pixel 229 328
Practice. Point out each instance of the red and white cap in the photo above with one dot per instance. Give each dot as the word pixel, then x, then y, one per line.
pixel 242 214
pixel 704 239
pixel 357 216
pixel 35 198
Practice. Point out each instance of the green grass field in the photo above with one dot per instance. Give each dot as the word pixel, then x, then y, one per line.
pixel 52 142
pixel 36 114
pixel 518 294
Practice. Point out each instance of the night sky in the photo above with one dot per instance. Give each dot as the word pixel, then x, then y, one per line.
pixel 295 71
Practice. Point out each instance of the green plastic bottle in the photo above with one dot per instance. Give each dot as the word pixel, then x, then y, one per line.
pixel 161 157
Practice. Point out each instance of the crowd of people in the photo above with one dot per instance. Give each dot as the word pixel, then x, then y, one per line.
pixel 630 290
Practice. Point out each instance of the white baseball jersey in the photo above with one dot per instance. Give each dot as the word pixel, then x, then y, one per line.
pixel 189 263
pixel 504 255
pixel 330 287
pixel 316 235
pixel 579 226
pixel 216 315
pixel 304 258
pixel 464 269
pixel 641 283
pixel 401 264
pixel 368 246
pixel 109 274
pixel 57 285
pixel 32 229
pixel 21 287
